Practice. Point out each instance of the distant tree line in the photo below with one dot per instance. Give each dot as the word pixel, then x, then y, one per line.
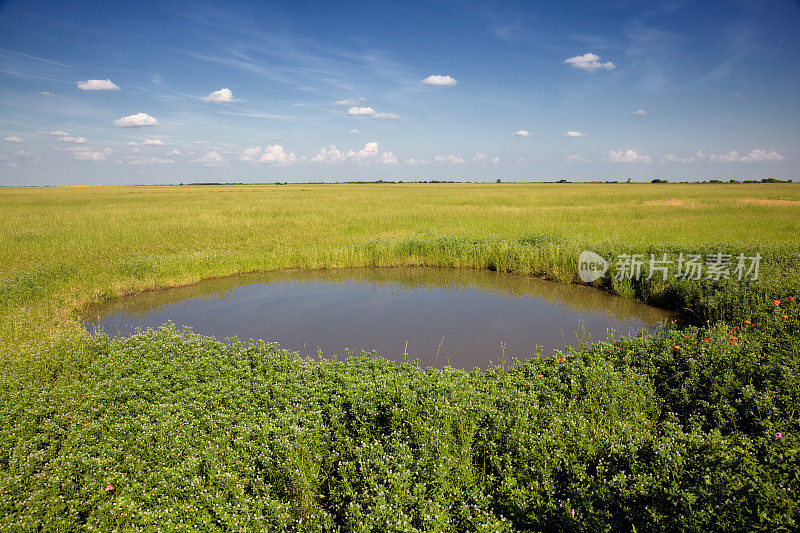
pixel 628 180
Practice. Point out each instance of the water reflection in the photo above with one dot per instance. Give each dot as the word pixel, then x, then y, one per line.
pixel 441 316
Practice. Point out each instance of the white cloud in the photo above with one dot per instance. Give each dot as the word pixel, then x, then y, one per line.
pixel 136 121
pixel 72 140
pixel 13 139
pixel 97 85
pixel 733 155
pixel 368 155
pixel 369 151
pixel 357 111
pixel 89 156
pixel 485 159
pixel 56 133
pixel 353 132
pixel 175 152
pixel 640 112
pixel 754 155
pixel 450 158
pixel 146 142
pixel 577 159
pixel 46 93
pixel 435 79
pixel 388 158
pixel 522 133
pixel 76 149
pixel 628 156
pixel 223 95
pixel 27 154
pixel 574 134
pixel 417 162
pixel 371 155
pixel 328 155
pixel 274 154
pixel 349 101
pixel 762 155
pixel 250 153
pixel 589 62
pixel 211 159
pixel 151 161
pixel 673 158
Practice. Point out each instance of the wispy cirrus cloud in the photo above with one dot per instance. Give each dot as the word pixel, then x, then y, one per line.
pixel 576 158
pixel 349 101
pixel 144 161
pixel 28 155
pixel 484 159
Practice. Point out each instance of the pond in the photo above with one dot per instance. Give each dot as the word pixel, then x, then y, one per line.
pixel 456 317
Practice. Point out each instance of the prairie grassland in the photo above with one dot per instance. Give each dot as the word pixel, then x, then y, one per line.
pixel 692 430
pixel 118 235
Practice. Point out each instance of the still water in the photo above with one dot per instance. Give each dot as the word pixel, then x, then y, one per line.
pixel 455 317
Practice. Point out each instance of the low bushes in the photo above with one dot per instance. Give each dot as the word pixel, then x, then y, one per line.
pixel 690 429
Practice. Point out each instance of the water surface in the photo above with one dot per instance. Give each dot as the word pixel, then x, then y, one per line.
pixel 455 317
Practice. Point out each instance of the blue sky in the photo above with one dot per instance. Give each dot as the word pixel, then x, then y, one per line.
pixel 168 92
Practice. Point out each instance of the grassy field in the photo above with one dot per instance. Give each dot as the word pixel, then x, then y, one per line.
pixel 85 243
pixel 652 434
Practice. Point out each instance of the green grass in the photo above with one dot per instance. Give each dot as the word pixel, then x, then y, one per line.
pixel 667 433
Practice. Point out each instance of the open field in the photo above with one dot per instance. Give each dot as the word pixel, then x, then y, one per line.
pixel 657 434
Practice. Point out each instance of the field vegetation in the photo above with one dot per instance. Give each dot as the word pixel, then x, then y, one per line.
pixel 692 429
